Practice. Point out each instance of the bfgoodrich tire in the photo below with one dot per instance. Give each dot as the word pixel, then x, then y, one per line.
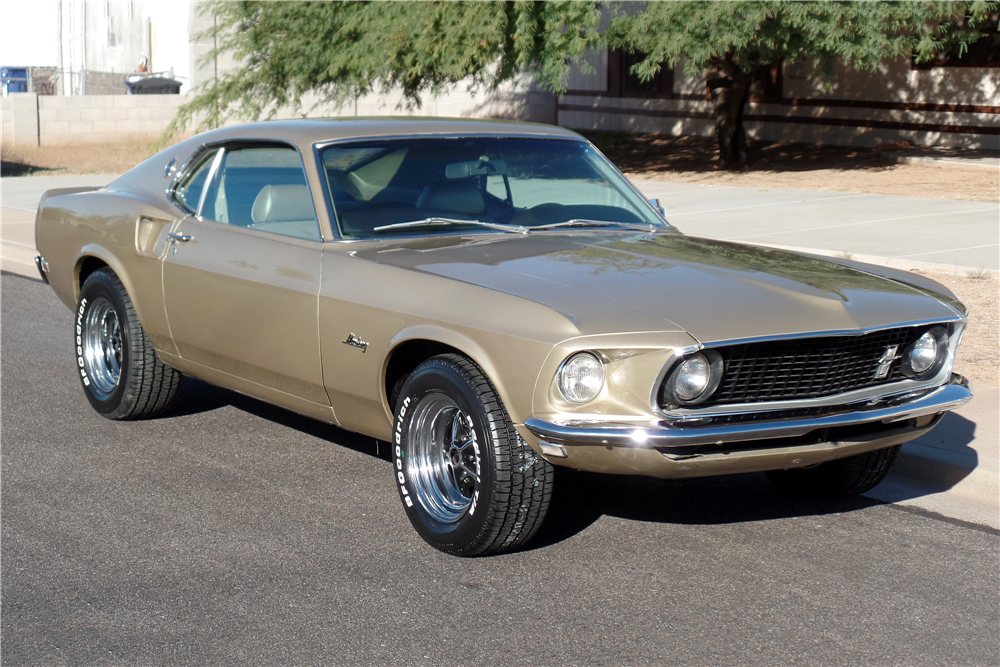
pixel 120 373
pixel 842 478
pixel 468 482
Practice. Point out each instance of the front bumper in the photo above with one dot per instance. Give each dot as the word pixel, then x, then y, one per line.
pixel 757 445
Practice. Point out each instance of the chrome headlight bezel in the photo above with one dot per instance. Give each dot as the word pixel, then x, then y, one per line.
pixel 940 336
pixel 672 396
pixel 567 365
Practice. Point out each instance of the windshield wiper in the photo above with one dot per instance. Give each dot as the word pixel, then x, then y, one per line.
pixel 430 222
pixel 581 222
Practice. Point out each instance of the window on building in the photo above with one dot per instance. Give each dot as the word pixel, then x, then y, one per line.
pixel 114 38
pixel 984 52
pixel 623 82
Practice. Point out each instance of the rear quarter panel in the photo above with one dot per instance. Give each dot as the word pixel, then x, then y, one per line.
pixel 103 224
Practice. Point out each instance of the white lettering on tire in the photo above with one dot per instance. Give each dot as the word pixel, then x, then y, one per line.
pixel 399 454
pixel 79 342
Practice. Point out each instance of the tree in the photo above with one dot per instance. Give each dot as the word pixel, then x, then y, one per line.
pixel 342 50
pixel 732 41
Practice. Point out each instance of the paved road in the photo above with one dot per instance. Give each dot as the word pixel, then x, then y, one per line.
pixel 233 533
pixel 909 230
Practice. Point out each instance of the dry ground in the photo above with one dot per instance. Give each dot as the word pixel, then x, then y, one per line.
pixel 789 165
pixel 52 160
pixel 692 159
pixel 979 355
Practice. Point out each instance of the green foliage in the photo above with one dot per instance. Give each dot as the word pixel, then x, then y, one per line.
pixel 738 37
pixel 342 50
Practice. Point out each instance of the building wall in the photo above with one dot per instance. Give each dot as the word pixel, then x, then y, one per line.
pixel 19 119
pixel 85 119
pixel 521 99
pixel 940 106
pixel 112 37
pixel 896 81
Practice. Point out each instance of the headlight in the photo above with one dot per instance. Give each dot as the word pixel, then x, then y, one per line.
pixel 693 380
pixel 924 353
pixel 693 377
pixel 925 356
pixel 581 378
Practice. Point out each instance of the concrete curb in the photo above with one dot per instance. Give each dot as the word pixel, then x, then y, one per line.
pixel 893 262
pixel 959 163
pixel 18 258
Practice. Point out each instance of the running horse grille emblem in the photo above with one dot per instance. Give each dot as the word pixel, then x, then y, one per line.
pixel 885 362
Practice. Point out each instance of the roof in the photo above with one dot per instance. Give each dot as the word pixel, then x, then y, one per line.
pixel 313 130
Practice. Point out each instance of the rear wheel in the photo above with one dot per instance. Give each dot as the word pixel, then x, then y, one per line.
pixel 468 482
pixel 120 372
pixel 845 477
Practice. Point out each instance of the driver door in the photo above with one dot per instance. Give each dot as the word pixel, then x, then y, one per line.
pixel 241 279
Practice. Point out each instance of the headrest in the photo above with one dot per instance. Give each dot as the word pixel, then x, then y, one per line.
pixel 462 197
pixel 282 203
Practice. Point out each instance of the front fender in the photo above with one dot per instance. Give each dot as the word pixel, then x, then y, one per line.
pixel 501 368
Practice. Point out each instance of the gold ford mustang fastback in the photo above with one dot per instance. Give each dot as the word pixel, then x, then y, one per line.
pixel 493 299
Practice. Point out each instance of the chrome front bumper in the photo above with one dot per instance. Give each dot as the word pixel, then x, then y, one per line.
pixel 674 438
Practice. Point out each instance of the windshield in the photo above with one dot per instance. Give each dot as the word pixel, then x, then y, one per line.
pixel 527 183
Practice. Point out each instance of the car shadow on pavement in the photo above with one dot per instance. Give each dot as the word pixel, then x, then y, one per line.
pixel 195 396
pixel 580 499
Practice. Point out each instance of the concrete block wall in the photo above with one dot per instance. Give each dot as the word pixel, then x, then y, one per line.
pixel 95 119
pixel 843 126
pixel 55 120
pixel 19 119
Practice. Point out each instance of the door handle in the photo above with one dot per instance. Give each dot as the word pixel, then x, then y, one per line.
pixel 182 238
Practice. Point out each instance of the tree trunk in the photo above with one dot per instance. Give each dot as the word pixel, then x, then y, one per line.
pixel 729 94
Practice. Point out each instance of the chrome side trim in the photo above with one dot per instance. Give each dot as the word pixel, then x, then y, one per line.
pixel 182 172
pixel 661 435
pixel 43 268
pixel 212 171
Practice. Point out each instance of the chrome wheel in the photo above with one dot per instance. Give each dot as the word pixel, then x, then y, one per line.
pixel 444 463
pixel 102 347
pixel 469 484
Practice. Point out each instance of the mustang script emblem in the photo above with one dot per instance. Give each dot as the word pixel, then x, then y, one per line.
pixel 354 341
pixel 890 355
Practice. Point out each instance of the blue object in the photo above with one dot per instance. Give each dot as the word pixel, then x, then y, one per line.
pixel 14 79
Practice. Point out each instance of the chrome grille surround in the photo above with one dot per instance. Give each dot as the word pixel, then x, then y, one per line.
pixel 856 380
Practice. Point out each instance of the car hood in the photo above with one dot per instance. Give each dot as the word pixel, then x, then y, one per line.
pixel 608 282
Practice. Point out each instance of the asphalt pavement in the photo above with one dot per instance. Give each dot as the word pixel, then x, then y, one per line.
pixel 229 532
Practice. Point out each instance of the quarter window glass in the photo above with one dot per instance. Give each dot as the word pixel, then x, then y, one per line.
pixel 189 191
pixel 262 188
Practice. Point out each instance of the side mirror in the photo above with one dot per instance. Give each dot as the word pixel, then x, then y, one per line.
pixel 655 203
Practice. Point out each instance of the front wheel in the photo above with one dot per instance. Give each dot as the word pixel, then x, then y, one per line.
pixel 842 478
pixel 468 482
pixel 120 372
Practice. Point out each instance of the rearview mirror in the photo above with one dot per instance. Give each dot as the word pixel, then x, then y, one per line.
pixel 481 167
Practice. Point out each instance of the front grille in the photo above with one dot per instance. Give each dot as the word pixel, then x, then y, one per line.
pixel 803 368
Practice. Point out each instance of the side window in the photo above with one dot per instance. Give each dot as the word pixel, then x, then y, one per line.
pixel 188 193
pixel 263 188
pixel 496 187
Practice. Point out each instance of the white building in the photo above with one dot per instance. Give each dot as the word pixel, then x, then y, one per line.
pixel 99 43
